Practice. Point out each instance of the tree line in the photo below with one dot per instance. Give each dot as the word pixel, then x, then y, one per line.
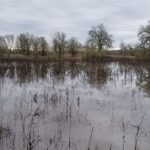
pixel 26 43
pixel 98 40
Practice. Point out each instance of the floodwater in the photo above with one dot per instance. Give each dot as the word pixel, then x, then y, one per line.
pixel 74 106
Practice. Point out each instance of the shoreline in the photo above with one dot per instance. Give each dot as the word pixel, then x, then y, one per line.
pixel 50 58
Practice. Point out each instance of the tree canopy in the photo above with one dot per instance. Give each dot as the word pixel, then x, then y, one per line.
pixel 100 38
pixel 144 36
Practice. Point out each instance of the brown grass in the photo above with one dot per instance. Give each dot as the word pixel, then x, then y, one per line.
pixel 94 56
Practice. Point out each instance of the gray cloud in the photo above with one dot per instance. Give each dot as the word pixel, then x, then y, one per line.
pixel 74 17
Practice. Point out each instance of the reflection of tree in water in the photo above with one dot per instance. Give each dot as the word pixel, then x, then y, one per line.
pixel 58 71
pixel 11 71
pixel 7 70
pixel 127 71
pixel 143 77
pixel 27 72
pixel 3 69
pixel 24 72
pixel 97 74
pixel 74 69
pixel 40 70
pixel 139 70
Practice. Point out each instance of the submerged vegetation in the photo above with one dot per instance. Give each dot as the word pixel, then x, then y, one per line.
pixel 98 46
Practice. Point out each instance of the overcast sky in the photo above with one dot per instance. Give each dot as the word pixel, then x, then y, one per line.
pixel 122 18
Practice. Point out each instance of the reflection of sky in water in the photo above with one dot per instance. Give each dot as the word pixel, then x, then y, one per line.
pixel 118 99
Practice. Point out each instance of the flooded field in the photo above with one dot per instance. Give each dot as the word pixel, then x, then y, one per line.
pixel 74 106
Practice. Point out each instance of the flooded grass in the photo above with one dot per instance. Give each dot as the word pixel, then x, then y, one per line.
pixel 74 106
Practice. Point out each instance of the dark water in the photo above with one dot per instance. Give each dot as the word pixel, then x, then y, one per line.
pixel 74 106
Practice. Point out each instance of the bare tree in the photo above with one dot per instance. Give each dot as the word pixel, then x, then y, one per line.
pixel 73 46
pixel 3 44
pixel 99 37
pixel 24 42
pixel 36 45
pixel 144 36
pixel 123 48
pixel 9 40
pixel 39 44
pixel 59 43
pixel 43 45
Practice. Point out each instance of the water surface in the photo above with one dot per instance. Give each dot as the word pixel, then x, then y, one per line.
pixel 74 106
